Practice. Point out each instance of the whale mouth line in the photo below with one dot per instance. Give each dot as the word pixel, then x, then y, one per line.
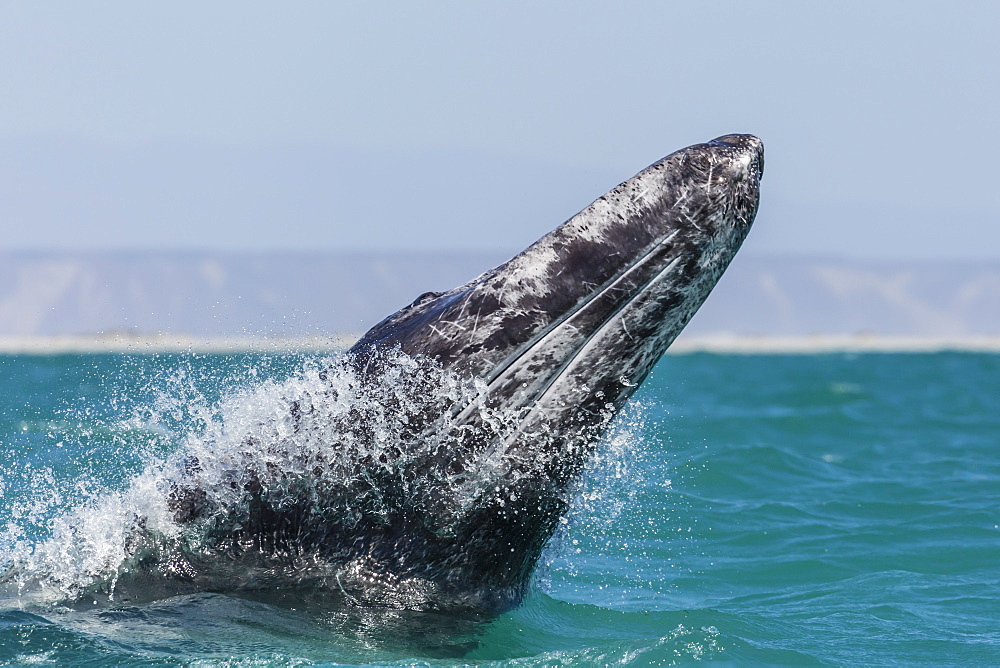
pixel 612 318
pixel 582 349
pixel 502 370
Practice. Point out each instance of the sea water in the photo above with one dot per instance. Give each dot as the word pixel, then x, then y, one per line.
pixel 745 509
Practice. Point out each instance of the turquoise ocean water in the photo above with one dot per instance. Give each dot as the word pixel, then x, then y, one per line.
pixel 758 509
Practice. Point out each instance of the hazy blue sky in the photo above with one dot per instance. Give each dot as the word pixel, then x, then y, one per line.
pixel 320 125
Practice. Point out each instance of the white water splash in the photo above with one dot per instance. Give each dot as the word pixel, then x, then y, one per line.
pixel 323 439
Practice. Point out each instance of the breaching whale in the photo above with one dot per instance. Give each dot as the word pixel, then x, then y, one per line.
pixel 456 512
pixel 427 466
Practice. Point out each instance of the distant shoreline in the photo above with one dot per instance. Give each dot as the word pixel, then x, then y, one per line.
pixel 168 343
pixel 832 343
pixel 715 343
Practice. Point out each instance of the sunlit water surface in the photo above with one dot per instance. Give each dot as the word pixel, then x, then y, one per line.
pixel 760 509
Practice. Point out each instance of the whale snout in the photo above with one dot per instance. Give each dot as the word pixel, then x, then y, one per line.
pixel 747 152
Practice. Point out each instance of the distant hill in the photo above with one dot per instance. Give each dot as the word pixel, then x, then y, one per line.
pixel 787 296
pixel 294 294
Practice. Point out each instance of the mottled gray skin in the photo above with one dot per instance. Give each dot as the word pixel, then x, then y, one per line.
pixel 562 334
pixel 452 511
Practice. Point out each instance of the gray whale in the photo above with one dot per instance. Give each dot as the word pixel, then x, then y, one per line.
pixel 451 508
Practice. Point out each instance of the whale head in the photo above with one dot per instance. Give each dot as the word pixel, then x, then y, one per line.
pixel 574 323
pixel 560 337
